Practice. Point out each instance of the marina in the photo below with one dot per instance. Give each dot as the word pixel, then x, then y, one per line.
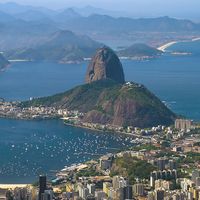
pixel 45 146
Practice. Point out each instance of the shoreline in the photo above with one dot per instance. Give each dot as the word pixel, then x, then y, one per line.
pixel 196 39
pixel 102 131
pixel 164 47
pixel 167 45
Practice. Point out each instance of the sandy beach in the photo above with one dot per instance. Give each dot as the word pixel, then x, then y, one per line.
pixel 196 39
pixel 13 186
pixel 165 46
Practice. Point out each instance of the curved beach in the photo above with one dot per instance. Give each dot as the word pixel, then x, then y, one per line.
pixel 196 39
pixel 167 45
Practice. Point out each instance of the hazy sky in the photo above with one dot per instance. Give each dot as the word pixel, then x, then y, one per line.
pixel 148 7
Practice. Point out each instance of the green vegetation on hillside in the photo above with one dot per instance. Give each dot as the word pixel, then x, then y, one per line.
pixel 88 172
pixel 63 46
pixel 131 167
pixel 139 50
pixel 106 101
pixel 82 97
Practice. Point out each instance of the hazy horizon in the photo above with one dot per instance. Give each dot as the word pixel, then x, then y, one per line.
pixel 136 8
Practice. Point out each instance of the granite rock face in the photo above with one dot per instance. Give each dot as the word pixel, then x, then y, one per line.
pixel 105 65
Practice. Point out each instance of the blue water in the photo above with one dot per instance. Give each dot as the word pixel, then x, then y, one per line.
pixel 28 148
pixel 174 79
pixel 190 47
pixel 31 79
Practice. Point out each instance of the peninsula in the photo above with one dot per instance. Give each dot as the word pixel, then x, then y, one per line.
pixel 107 99
pixel 3 62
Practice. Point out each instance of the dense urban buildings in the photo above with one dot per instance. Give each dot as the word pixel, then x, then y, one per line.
pixel 150 170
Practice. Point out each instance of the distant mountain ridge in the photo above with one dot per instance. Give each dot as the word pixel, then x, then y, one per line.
pixel 26 33
pixel 62 46
pixel 107 23
pixel 74 19
pixel 67 14
pixel 33 26
pixel 67 47
pixel 13 8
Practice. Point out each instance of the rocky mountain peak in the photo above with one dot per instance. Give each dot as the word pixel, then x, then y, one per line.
pixel 105 65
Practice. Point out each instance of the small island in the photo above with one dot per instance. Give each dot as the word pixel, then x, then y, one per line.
pixel 139 51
